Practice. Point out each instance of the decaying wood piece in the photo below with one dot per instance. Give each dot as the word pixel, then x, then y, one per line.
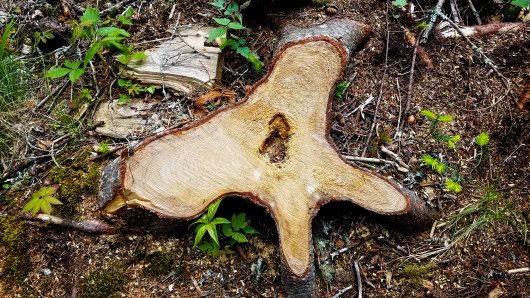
pixel 183 63
pixel 445 30
pixel 273 148
pixel 524 99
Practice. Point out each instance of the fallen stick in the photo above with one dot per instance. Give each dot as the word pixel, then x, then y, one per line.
pixel 519 270
pixel 367 159
pixel 475 12
pixel 359 281
pixel 90 226
pixel 394 157
pixel 445 29
pixel 434 15
pixel 340 292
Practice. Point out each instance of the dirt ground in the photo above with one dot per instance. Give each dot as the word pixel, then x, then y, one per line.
pixel 153 257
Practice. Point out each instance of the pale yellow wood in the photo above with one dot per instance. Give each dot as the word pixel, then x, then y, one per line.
pixel 180 174
pixel 183 63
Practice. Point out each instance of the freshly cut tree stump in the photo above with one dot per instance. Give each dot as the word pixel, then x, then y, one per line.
pixel 273 148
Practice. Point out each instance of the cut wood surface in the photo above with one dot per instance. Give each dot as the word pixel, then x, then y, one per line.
pixel 273 148
pixel 183 63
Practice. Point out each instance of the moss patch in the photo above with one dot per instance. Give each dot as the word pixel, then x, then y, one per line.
pixel 415 273
pixel 102 284
pixel 159 263
pixel 74 185
pixel 15 246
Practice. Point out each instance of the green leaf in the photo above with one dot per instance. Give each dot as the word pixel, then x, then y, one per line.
pixel 452 186
pixel 53 201
pixel 257 65
pixel 5 186
pixel 129 12
pixel 76 74
pixel 200 233
pixel 399 3
pixel 219 221
pixel 71 64
pixel 239 221
pixel 451 142
pixel 46 207
pixel 124 83
pixel 228 42
pixel 55 73
pixel 138 56
pixel 222 21
pixel 428 114
pixel 236 26
pixel 45 191
pixel 112 31
pixel 90 17
pixel 29 205
pixel 219 4
pixel 91 53
pixel 213 209
pixel 445 118
pixel 433 163
pixel 48 35
pixel 124 59
pixel 227 230
pixel 37 206
pixel 5 38
pixel 212 230
pixel 340 88
pixel 521 3
pixel 151 89
pixel 250 230
pixel 124 21
pixel 231 8
pixel 239 237
pixel 215 33
pixel 422 25
pixel 482 139
pixel 244 51
pixel 124 98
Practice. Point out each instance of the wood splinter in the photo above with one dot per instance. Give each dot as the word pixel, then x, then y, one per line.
pixel 273 148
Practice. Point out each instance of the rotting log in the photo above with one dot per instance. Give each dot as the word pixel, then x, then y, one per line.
pixel 273 148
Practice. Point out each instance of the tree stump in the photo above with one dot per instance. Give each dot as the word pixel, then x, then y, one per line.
pixel 273 148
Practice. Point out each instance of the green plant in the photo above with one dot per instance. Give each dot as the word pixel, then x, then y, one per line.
pixel 435 120
pixel 233 20
pixel 453 186
pixel 482 140
pixel 521 3
pixel 399 3
pixel 132 89
pixel 487 210
pixel 89 28
pixel 340 88
pixel 43 37
pixel 103 147
pixel 15 78
pixel 42 200
pixel 450 184
pixel 433 163
pixel 235 230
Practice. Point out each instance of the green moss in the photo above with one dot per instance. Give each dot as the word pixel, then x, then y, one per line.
pixel 415 273
pixel 159 263
pixel 102 284
pixel 16 260
pixel 74 185
pixel 321 2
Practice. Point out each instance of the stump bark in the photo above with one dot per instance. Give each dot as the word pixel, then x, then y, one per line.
pixel 273 148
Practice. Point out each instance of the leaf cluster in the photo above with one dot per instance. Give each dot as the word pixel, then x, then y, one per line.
pixel 90 28
pixel 521 3
pixel 437 134
pixel 339 89
pixel 450 184
pixel 42 200
pixel 235 230
pixel 132 89
pixel 43 37
pixel 232 20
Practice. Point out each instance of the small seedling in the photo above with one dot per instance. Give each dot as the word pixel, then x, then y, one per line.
pixel 232 20
pixel 433 163
pixel 340 88
pixel 42 200
pixel 482 140
pixel 43 37
pixel 73 69
pixel 435 120
pixel 450 184
pixel 132 89
pixel 235 230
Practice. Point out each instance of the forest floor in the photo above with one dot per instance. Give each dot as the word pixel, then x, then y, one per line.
pixel 468 252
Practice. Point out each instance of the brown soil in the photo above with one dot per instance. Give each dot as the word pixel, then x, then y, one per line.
pixel 393 259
